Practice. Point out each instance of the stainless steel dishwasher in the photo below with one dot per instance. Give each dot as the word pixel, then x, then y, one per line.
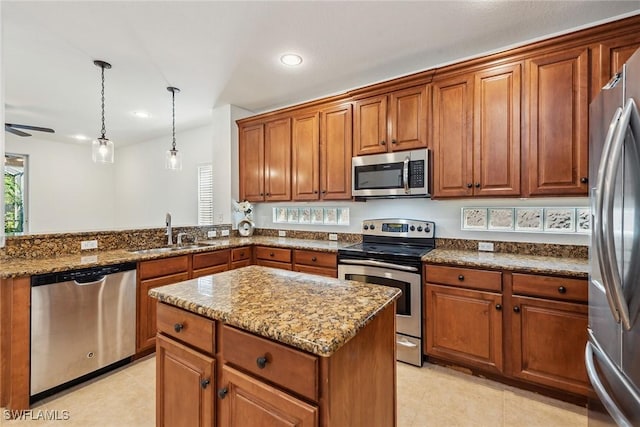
pixel 83 322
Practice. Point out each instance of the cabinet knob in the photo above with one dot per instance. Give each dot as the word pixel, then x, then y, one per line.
pixel 461 277
pixel 516 309
pixel 261 362
pixel 268 194
pixel 562 290
pixel 315 191
pixel 271 254
pixel 393 141
pixel 469 185
pixel 382 143
pixel 262 194
pixel 204 383
pixel 477 185
pixel 498 307
pixel 584 180
pixel 324 191
pixel 222 393
pixel 178 327
pixel 314 259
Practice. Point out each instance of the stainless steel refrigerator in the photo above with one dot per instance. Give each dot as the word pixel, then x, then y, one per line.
pixel 612 354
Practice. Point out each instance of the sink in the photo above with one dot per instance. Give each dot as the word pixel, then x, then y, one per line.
pixel 169 249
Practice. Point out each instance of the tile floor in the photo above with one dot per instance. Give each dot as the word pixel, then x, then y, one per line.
pixel 427 396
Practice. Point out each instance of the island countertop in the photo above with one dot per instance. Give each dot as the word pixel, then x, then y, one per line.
pixel 312 313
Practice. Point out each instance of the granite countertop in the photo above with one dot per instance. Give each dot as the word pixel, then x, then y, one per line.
pixel 312 313
pixel 571 267
pixel 16 267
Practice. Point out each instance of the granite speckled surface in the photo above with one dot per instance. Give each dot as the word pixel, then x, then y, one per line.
pixel 312 313
pixel 15 267
pixel 521 248
pixel 570 267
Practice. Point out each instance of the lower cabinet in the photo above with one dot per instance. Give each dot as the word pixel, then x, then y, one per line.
pixel 248 401
pixel 273 257
pixel 315 262
pixel 206 263
pixel 185 385
pixel 240 257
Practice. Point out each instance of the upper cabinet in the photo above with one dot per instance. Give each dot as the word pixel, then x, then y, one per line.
pixel 476 134
pixel 391 122
pixel 557 104
pixel 609 56
pixel 306 157
pixel 265 161
pixel 335 152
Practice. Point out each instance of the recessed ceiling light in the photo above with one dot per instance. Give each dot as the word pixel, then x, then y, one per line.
pixel 142 114
pixel 80 137
pixel 291 59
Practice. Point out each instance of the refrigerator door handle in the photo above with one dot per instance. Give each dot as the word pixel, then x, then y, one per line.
pixel 599 388
pixel 599 241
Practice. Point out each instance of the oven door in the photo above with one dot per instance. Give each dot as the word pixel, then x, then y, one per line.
pixel 408 306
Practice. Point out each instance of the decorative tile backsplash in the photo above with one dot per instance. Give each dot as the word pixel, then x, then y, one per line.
pixel 311 215
pixel 536 220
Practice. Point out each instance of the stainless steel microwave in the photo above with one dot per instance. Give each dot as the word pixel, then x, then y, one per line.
pixel 398 174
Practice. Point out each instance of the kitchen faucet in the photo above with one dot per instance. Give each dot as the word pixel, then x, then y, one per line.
pixel 169 233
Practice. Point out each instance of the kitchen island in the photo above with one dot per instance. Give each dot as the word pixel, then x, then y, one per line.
pixel 256 343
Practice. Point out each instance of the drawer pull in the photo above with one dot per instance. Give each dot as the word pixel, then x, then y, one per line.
pixel 178 327
pixel 261 362
pixel 498 307
pixel 516 309
pixel 562 290
pixel 461 277
pixel 204 383
pixel 314 259
pixel 271 254
pixel 222 393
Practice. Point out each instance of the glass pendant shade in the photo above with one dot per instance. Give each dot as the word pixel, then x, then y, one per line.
pixel 173 160
pixel 102 150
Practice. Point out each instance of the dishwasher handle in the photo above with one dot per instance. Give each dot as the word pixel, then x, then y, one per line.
pixel 90 280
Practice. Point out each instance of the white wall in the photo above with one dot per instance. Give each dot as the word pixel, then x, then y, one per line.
pixel 445 213
pixel 145 191
pixel 66 190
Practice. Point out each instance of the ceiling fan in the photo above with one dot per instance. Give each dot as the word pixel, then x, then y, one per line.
pixel 14 129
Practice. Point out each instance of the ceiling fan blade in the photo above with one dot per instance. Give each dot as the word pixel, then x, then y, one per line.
pixel 15 131
pixel 28 127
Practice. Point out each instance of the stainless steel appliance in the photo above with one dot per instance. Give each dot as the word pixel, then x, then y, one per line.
pixel 390 255
pixel 613 350
pixel 81 322
pixel 397 174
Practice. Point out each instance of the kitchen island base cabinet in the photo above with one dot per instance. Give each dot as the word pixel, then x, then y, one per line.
pixel 184 385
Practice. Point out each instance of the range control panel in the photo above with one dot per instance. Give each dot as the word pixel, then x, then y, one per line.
pixel 396 227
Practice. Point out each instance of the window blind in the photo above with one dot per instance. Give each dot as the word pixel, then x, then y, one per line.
pixel 205 195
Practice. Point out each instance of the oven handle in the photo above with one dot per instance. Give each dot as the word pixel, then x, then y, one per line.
pixel 377 264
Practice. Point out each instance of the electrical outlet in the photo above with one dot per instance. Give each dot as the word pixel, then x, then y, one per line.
pixel 88 244
pixel 333 236
pixel 224 233
pixel 212 233
pixel 485 246
pixel 282 233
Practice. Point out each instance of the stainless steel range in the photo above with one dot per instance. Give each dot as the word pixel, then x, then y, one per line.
pixel 390 254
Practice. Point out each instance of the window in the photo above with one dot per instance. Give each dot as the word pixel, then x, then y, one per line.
pixel 15 193
pixel 205 195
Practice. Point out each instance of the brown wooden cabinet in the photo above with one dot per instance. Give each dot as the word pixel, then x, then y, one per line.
pixel 608 58
pixel 393 122
pixel 212 262
pixel 273 257
pixel 241 257
pixel 152 274
pixel 557 110
pixel 265 161
pixel 335 152
pixel 315 262
pixel 306 157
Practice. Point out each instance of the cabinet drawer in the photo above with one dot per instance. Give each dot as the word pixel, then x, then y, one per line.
pixel 320 271
pixel 240 264
pixel 210 259
pixel 282 365
pixel 239 254
pixel 187 327
pixel 273 254
pixel 551 287
pixel 315 259
pixel 464 277
pixel 163 267
pixel 209 270
pixel 274 264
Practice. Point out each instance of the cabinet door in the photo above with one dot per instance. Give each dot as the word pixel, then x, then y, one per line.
pixel 277 160
pixel 609 57
pixel 496 118
pixel 548 343
pixel 251 158
pixel 464 326
pixel 147 309
pixel 306 157
pixel 370 126
pixel 409 113
pixel 185 383
pixel 335 153
pixel 452 138
pixel 247 401
pixel 558 109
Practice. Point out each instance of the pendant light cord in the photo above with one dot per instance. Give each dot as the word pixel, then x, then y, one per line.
pixel 173 114
pixel 102 93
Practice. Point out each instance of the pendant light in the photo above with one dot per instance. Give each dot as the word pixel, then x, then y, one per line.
pixel 173 159
pixel 102 147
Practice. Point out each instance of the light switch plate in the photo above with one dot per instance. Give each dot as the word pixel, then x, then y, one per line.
pixel 485 246
pixel 88 244
pixel 282 233
pixel 224 233
pixel 212 233
pixel 333 236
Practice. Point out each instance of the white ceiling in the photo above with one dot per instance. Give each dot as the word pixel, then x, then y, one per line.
pixel 228 53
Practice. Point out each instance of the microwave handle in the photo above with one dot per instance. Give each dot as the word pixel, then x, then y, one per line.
pixel 405 174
